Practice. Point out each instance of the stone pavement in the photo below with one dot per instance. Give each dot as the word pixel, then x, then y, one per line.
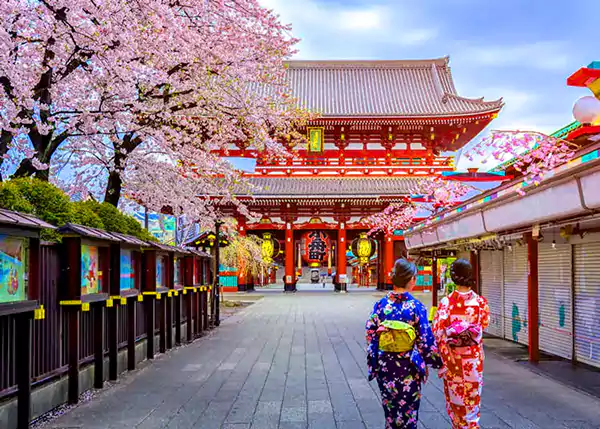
pixel 297 361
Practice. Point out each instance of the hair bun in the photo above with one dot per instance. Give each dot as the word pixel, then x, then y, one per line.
pixel 461 273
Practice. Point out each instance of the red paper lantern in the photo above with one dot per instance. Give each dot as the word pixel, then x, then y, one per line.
pixel 315 248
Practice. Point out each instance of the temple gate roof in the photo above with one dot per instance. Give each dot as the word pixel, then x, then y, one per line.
pixel 401 88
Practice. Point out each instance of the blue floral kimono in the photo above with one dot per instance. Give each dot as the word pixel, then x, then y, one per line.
pixel 400 375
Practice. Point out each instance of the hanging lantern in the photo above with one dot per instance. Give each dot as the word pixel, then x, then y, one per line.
pixel 315 248
pixel 587 110
pixel 363 248
pixel 270 247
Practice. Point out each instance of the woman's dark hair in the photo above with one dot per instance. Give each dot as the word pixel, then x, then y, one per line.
pixel 403 273
pixel 461 273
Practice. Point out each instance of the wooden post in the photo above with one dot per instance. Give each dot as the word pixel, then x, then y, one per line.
pixel 205 309
pixel 188 281
pixel 149 309
pixel 98 314
pixel 23 357
pixel 73 345
pixel 149 285
pixel 131 332
pixel 177 304
pixel 198 328
pixel 111 312
pixel 434 280
pixel 169 303
pixel 532 291
pixel 476 270
pixel 71 278
pixel 162 323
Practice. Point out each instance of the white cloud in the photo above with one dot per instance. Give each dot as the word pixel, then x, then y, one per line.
pixel 369 19
pixel 547 55
pixel 338 31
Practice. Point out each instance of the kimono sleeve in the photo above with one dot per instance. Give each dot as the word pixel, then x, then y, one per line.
pixel 484 313
pixel 426 344
pixel 372 337
pixel 440 323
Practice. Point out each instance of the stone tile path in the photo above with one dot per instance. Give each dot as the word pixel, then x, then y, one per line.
pixel 297 361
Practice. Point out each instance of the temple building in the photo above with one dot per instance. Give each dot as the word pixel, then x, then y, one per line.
pixel 381 126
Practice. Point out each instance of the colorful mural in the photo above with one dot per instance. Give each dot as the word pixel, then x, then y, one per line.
pixel 160 272
pixel 178 279
pixel 161 226
pixel 90 270
pixel 13 269
pixel 127 270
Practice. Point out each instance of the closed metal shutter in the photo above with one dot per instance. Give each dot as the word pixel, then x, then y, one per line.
pixel 492 289
pixel 515 294
pixel 587 303
pixel 554 293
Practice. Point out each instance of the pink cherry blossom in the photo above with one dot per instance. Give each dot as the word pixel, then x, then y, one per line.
pixel 147 93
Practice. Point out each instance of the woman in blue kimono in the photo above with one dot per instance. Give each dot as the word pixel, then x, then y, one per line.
pixel 399 322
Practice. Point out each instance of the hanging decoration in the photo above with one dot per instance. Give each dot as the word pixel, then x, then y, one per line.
pixel 363 247
pixel 270 247
pixel 315 248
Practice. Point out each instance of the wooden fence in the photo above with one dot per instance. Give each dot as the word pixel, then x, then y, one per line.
pixel 49 348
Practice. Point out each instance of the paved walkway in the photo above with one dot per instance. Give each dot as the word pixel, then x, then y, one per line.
pixel 297 361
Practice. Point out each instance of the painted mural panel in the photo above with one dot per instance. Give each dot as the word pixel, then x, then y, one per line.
pixel 13 269
pixel 127 270
pixel 178 279
pixel 160 272
pixel 90 270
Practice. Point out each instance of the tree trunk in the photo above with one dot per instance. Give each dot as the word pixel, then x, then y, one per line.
pixel 113 188
pixel 26 169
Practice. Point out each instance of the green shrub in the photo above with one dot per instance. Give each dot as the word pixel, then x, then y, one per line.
pixel 12 199
pixel 51 204
pixel 84 214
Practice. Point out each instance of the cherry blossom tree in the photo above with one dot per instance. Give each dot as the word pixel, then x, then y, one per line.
pixel 534 153
pixel 435 194
pixel 396 216
pixel 156 88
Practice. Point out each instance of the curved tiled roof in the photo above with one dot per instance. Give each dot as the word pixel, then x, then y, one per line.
pixel 299 187
pixel 405 88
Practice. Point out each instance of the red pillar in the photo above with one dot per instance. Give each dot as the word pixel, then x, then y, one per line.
pixel 388 259
pixel 341 248
pixel 242 281
pixel 289 257
pixel 434 281
pixel 532 290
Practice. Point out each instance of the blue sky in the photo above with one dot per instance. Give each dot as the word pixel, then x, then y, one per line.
pixel 521 50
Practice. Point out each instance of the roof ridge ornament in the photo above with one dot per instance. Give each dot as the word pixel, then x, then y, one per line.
pixel 437 83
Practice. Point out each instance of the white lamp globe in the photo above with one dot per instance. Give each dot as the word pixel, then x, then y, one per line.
pixel 587 110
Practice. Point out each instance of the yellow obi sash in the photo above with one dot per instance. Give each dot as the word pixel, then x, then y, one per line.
pixel 399 337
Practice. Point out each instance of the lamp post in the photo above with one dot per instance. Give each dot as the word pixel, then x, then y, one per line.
pixel 215 307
